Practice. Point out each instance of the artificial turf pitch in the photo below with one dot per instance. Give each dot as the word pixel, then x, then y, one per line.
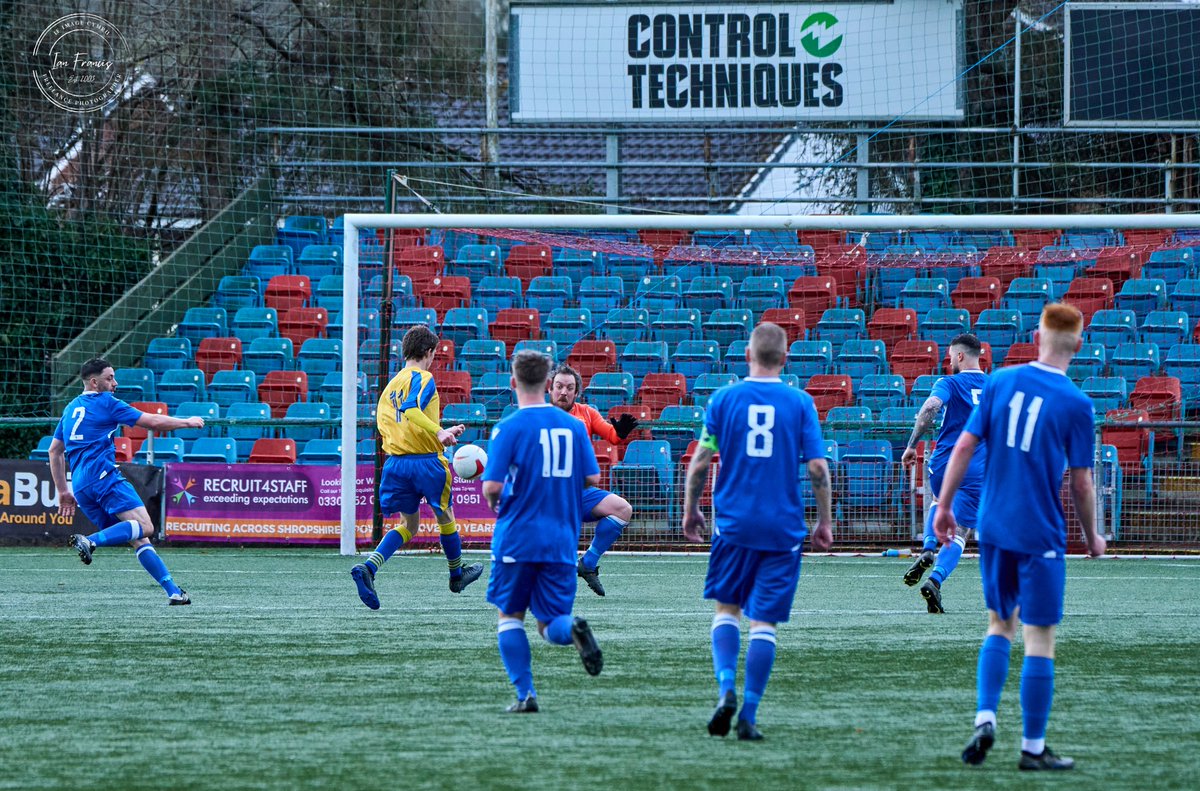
pixel 278 677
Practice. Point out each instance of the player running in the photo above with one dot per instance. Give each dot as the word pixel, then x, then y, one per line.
pixel 1036 423
pixel 83 439
pixel 764 430
pixel 611 512
pixel 539 461
pixel 958 393
pixel 408 419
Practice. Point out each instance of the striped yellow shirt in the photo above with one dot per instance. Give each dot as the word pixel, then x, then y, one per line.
pixel 411 388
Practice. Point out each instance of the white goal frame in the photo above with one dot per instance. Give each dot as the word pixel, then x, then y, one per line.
pixel 689 222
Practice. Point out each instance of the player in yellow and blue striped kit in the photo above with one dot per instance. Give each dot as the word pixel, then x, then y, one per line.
pixel 416 466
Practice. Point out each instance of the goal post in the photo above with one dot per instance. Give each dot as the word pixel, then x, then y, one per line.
pixel 355 224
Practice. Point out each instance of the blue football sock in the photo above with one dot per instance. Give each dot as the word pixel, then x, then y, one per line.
pixel 1037 694
pixel 947 559
pixel 930 542
pixel 452 546
pixel 558 631
pixel 608 530
pixel 514 653
pixel 760 656
pixel 726 643
pixel 992 672
pixel 154 566
pixel 120 533
pixel 391 542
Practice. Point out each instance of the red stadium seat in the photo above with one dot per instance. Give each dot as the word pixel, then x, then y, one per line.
pixel 1090 294
pixel 606 457
pixel 977 294
pixel 830 390
pixel 1160 397
pixel 1036 240
pixel 662 389
pixel 453 387
pixel 444 359
pixel 911 359
pixel 822 240
pixel 1132 443
pixel 300 324
pixel 1006 264
pixel 813 295
pixel 645 415
pixel 285 292
pixel 420 264
pixel 273 451
pixel 527 261
pixel 663 240
pixel 445 292
pixel 137 433
pixel 516 324
pixel 281 389
pixel 591 357
pixel 847 265
pixel 123 447
pixel 1019 354
pixel 790 319
pixel 985 357
pixel 218 354
pixel 1119 265
pixel 407 237
pixel 892 325
pixel 1150 238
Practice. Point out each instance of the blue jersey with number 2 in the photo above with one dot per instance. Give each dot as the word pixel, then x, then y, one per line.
pixel 1036 423
pixel 86 429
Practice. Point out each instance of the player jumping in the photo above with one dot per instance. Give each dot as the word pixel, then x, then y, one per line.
pixel 958 393
pixel 611 512
pixel 84 440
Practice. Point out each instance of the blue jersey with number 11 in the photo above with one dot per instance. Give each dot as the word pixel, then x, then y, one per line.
pixel 1036 423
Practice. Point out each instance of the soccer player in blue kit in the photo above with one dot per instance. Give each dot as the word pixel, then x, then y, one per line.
pixel 1037 424
pixel 764 430
pixel 84 440
pixel 958 393
pixel 540 459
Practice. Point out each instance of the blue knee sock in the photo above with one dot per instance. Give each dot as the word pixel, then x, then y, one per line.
pixel 991 673
pixel 930 542
pixel 759 658
pixel 452 546
pixel 387 547
pixel 154 566
pixel 608 530
pixel 120 533
pixel 1037 693
pixel 514 653
pixel 726 643
pixel 558 631
pixel 947 559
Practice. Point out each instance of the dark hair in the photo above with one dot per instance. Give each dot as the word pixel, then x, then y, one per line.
pixel 93 367
pixel 768 344
pixel 531 369
pixel 969 343
pixel 562 369
pixel 418 342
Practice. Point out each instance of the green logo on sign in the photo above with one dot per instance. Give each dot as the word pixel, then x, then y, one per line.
pixel 820 24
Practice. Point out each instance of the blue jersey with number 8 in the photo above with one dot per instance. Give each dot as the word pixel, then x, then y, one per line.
pixel 86 429
pixel 764 431
pixel 1036 423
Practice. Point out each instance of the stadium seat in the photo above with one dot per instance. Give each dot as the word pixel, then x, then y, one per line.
pixel 209 410
pixel 548 348
pixel 200 323
pixel 829 391
pixel 167 354
pixel 368 413
pixel 477 261
pixel 879 391
pixel 813 295
pixel 263 269
pixel 692 358
pixel 1090 294
pixel 280 389
pixel 759 293
pixel 922 386
pixel 1060 275
pixel 212 450
pixel 245 436
pixel 179 385
pixel 329 293
pixel 661 390
pixel 493 391
pixel 1134 360
pixel 977 294
pixel 726 325
pixel 924 294
pixel 478 357
pixel 658 292
pixel 630 269
pixel 838 325
pixel 216 354
pixel 237 291
pixel 307 411
pixel 577 266
pixel 251 323
pixel 1165 328
pixel 679 324
pixel 546 293
pixel 273 451
pixel 165 450
pixel 643 477
pixel 896 269
pixel 1186 296
pixel 892 325
pixel 1006 264
pixel 625 325
pixel 1160 397
pixel 734 361
pixel 1171 265
pixel 321 451
pixel 403 318
pixel 590 357
pixel 473 416
pixel 566 326
pixel 1142 296
pixel 1183 363
pixel 607 389
pixel 320 356
pixel 495 294
pixel 527 261
pixel 137 433
pixel 515 325
pixel 707 384
pixel 300 324
pixel 601 294
pixel 1028 295
pixel 1090 360
pixel 911 359
pixel 364 451
pixel 707 294
pixel 644 357
pixel 446 293
pixel 846 423
pixel 1107 392
pixel 678 426
pixel 942 325
pixel 1112 327
pixel 1132 443
pixel 135 384
pixel 420 264
pixel 689 262
pixel 1118 266
pixel 807 359
pixel 268 354
pixel 857 359
pixel 232 387
pixel 464 324
pixel 790 319
pixel 285 292
pixel 868 469
pixel 454 387
pixel 1019 354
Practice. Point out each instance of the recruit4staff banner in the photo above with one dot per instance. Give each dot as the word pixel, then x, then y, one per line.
pixel 294 504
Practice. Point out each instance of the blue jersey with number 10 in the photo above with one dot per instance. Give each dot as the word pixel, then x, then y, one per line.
pixel 1036 423
pixel 764 430
pixel 86 429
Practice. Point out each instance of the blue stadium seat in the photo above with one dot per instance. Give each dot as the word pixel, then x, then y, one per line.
pixel 807 359
pixel 658 292
pixel 404 318
pixel 608 389
pixel 251 323
pixel 367 413
pixel 1166 328
pixel 330 390
pixel 477 261
pixel 777 240
pixel 577 265
pixel 1183 362
pixel 135 384
pixel 546 292
pixel 644 477
pixel 1027 295
pixel 1060 275
pixel 463 324
pixel 895 273
pixel 212 450
pixel 1000 328
pixel 478 357
pixel 166 449
pixel 630 269
pixel 726 325
pixel 320 260
pixel 1186 296
pixel 1090 239
pixel 1107 392
pixel 493 391
pixel 678 324
pixel 707 384
pixel 707 294
pixel 307 411
pixel 693 358
pixel 880 391
pixel 364 451
pixel 546 347
pixel 847 423
pixel 684 263
pixel 319 356
pixel 1171 265
pixel 789 264
pixel 924 294
pixel 868 470
pixel 509 409
pixel 857 359
pixel 734 361
pixel 246 435
pixel 321 451
pixel 273 252
pixel 1090 360
pixel 601 294
pixel 183 384
pixel 1112 327
pixel 922 387
pixel 626 325
pixel 941 325
pixel 1135 360
pixel 1142 296
pixel 644 357
pixel 759 293
pixel 42 451
pixel 233 387
pixel 984 240
pixel 238 291
pixel 678 426
pixel 495 294
pixel 208 410
pixel 298 239
pixel 733 237
pixel 329 293
pixel 167 354
pixel 263 269
pixel 565 326
pixel 472 415
pixel 791 380
pixel 838 325
pixel 268 354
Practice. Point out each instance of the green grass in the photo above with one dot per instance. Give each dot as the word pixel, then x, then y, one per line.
pixel 279 678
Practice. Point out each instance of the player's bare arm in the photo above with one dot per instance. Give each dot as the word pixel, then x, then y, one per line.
pixel 491 493
pixel 58 471
pixel 960 459
pixel 1083 495
pixel 697 474
pixel 167 423
pixel 921 427
pixel 818 476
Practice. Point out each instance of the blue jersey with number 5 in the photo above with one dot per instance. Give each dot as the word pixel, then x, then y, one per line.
pixel 86 429
pixel 1036 423
pixel 764 431
pixel 542 455
pixel 959 395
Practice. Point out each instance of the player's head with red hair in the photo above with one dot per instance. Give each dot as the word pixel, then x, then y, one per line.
pixel 1061 328
pixel 768 345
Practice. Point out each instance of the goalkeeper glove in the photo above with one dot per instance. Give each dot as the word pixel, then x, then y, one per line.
pixel 624 425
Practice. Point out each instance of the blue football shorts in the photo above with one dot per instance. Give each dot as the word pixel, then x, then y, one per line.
pixel 1033 583
pixel 761 582
pixel 966 502
pixel 406 479
pixel 592 497
pixel 545 589
pixel 107 497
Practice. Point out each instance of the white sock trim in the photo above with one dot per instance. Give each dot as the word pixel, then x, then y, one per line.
pixel 763 633
pixel 144 548
pixel 1034 746
pixel 961 541
pixel 508 624
pixel 983 715
pixel 725 619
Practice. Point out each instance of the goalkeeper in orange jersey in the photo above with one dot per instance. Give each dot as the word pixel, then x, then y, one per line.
pixel 611 512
